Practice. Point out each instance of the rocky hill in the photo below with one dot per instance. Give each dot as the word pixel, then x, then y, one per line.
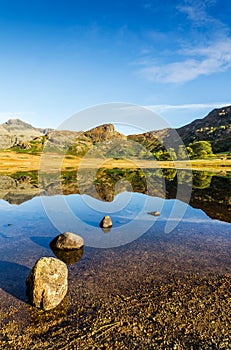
pixel 215 128
pixel 16 132
pixel 20 136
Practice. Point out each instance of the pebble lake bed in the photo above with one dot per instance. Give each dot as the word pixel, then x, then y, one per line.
pixel 155 289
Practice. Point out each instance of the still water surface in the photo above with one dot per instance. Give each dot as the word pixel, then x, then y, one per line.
pixel 139 250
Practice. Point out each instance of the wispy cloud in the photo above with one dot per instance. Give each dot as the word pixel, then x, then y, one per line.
pixel 168 107
pixel 196 11
pixel 199 61
pixel 194 61
pixel 179 115
pixel 192 106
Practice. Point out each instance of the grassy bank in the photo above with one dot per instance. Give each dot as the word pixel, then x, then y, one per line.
pixel 11 162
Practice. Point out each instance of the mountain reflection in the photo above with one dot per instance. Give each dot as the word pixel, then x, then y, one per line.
pixel 210 192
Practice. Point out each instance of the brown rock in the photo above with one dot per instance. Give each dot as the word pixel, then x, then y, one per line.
pixel 67 241
pixel 154 213
pixel 106 222
pixel 47 283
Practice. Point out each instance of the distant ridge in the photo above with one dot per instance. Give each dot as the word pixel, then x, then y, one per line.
pixel 215 128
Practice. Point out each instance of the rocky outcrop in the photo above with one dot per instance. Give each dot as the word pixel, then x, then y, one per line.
pixel 104 132
pixel 47 283
pixel 63 139
pixel 6 138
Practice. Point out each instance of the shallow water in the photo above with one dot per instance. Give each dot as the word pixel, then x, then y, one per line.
pixel 182 233
pixel 140 251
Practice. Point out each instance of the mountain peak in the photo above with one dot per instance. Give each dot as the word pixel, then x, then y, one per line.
pixel 104 132
pixel 17 132
pixel 17 122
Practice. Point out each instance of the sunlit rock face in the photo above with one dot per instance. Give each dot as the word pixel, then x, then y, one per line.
pixel 15 132
pixel 47 283
pixel 67 241
pixel 106 222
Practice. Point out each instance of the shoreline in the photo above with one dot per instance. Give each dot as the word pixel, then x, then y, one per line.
pixel 11 162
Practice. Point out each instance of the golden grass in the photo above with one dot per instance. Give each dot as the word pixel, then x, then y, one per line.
pixel 11 162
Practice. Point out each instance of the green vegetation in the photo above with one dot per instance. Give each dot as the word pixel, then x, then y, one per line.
pixel 32 176
pixel 200 150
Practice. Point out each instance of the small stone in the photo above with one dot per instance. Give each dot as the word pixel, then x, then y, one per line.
pixel 154 213
pixel 47 283
pixel 106 222
pixel 67 241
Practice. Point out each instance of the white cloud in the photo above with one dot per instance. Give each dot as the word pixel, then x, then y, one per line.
pixel 192 106
pixel 179 115
pixel 196 12
pixel 193 59
pixel 211 59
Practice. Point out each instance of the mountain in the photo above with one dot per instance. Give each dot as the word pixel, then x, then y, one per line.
pixel 215 128
pixel 152 140
pixel 16 132
pixel 73 142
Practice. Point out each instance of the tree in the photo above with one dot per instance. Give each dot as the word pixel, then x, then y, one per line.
pixel 200 149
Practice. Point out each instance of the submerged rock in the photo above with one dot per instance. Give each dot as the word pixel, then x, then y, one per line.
pixel 106 229
pixel 106 222
pixel 47 283
pixel 67 241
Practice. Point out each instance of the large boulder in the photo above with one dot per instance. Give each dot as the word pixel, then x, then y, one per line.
pixel 47 283
pixel 106 222
pixel 67 241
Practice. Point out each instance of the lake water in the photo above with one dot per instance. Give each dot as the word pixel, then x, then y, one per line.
pixel 139 250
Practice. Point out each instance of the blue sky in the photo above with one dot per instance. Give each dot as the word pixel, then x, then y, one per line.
pixel 59 57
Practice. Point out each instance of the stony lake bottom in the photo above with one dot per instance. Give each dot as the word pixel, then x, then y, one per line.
pixel 149 283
